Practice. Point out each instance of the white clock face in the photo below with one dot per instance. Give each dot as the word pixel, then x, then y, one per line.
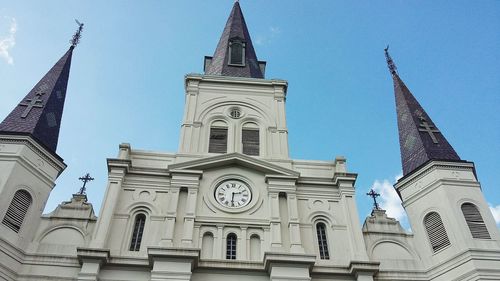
pixel 233 194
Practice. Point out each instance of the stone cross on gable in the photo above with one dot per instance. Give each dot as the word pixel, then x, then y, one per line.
pixel 374 195
pixel 85 179
pixel 31 103
pixel 427 128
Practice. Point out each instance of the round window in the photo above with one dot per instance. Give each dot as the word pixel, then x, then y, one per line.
pixel 235 113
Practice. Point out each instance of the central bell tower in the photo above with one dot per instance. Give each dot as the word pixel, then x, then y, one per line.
pixel 233 108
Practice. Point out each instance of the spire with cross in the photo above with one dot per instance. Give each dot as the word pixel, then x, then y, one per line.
pixel 419 138
pixel 39 113
pixel 84 179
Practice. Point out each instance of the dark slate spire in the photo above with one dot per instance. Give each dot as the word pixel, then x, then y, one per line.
pixel 235 31
pixel 419 138
pixel 39 113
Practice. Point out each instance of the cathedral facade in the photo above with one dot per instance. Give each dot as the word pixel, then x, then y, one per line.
pixel 231 204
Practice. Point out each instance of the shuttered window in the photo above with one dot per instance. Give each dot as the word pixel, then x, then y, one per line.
pixel 322 242
pixel 475 221
pixel 237 51
pixel 231 246
pixel 250 139
pixel 218 140
pixel 436 231
pixel 135 243
pixel 17 210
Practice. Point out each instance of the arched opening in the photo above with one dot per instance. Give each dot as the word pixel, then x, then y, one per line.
pixel 436 231
pixel 217 142
pixel 255 247
pixel 207 245
pixel 475 221
pixel 250 139
pixel 231 246
pixel 17 210
pixel 324 254
pixel 135 243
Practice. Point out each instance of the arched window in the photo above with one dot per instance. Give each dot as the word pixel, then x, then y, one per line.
pixel 231 246
pixel 322 241
pixel 218 138
pixel 474 221
pixel 237 52
pixel 17 210
pixel 436 231
pixel 135 243
pixel 250 139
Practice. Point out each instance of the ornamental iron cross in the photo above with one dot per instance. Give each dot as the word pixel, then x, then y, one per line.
pixel 427 128
pixel 30 103
pixel 374 195
pixel 85 179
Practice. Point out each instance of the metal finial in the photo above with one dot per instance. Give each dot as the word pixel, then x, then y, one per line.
pixel 390 63
pixel 374 195
pixel 85 179
pixel 78 34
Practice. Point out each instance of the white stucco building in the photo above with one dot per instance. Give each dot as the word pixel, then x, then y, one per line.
pixel 231 204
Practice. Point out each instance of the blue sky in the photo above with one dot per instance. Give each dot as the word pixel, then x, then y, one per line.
pixel 126 82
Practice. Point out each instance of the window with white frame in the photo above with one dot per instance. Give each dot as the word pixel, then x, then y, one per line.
pixel 231 246
pixel 135 243
pixel 322 241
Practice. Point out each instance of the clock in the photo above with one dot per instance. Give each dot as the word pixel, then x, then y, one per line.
pixel 233 194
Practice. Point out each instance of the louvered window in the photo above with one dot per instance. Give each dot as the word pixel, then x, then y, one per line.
pixel 237 53
pixel 231 246
pixel 322 242
pixel 218 140
pixel 17 210
pixel 250 139
pixel 436 231
pixel 135 243
pixel 475 221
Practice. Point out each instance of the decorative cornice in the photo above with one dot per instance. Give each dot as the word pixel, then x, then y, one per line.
pixel 53 159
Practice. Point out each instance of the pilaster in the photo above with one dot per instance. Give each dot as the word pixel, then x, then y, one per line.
pixel 286 267
pixel 345 182
pixel 117 169
pixel 91 260
pixel 173 264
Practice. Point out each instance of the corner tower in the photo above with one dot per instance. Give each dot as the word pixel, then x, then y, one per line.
pixel 29 164
pixel 232 107
pixel 442 197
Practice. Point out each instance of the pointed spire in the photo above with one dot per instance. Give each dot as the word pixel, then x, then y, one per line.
pixel 419 138
pixel 39 113
pixel 235 33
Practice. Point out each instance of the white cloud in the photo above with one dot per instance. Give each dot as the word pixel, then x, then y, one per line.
pixel 389 199
pixel 8 41
pixel 264 39
pixel 495 210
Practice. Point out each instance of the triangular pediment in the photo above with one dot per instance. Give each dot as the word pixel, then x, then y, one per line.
pixel 236 159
